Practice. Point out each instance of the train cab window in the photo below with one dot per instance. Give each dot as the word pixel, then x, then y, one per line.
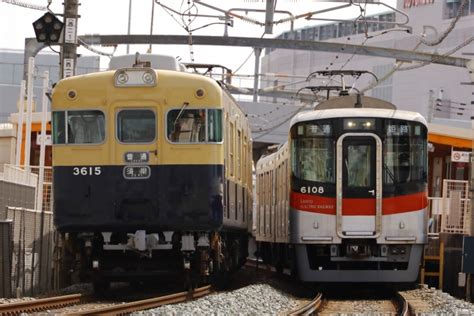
pixel 189 126
pixel 313 152
pixel 78 127
pixel 405 153
pixel 136 126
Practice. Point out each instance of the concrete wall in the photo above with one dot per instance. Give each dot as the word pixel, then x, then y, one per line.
pixel 7 145
pixel 16 195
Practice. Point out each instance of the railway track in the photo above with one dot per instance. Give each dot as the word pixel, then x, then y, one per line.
pixel 403 305
pixel 393 305
pixel 118 309
pixel 40 304
pixel 397 305
pixel 308 308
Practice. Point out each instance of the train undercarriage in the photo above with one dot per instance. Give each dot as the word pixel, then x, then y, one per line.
pixel 351 261
pixel 192 258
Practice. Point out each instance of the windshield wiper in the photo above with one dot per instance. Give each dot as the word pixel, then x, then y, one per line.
pixel 390 174
pixel 185 104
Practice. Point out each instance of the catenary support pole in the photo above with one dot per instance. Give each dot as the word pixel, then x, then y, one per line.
pixel 69 45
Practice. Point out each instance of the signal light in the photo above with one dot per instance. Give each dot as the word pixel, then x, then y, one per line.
pixel 48 28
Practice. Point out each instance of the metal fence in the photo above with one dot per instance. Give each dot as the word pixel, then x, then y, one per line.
pixel 28 177
pixel 456 207
pixel 6 234
pixel 31 264
pixel 435 212
pixel 450 213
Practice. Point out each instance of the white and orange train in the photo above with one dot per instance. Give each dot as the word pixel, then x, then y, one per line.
pixel 345 198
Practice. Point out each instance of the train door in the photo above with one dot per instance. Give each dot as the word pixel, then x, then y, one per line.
pixel 359 185
pixel 136 135
pixel 136 158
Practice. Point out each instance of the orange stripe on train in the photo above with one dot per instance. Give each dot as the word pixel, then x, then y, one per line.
pixel 358 207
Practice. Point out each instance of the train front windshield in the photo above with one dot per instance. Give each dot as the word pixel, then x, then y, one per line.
pixel 313 147
pixel 404 155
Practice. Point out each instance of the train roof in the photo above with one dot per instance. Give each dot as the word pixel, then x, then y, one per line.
pixel 356 106
pixel 358 112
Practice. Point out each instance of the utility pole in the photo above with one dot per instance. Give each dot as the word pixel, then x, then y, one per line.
pixel 69 45
pixel 129 22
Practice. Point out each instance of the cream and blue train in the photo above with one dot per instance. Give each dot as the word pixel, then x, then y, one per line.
pixel 152 175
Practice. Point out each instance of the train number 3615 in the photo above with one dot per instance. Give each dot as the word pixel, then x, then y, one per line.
pixel 312 189
pixel 86 171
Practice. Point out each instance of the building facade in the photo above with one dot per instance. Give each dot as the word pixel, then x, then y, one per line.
pixel 11 74
pixel 433 90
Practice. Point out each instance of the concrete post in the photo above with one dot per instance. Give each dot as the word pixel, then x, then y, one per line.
pixel 257 70
pixel 69 45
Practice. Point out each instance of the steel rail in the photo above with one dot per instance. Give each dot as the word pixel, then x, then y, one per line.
pixel 34 306
pixel 403 305
pixel 308 308
pixel 126 308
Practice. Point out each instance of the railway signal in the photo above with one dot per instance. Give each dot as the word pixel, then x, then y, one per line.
pixel 48 28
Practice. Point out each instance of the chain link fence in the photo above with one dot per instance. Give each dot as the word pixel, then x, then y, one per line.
pixel 26 231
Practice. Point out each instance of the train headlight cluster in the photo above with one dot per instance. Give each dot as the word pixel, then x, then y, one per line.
pixel 359 124
pixel 135 77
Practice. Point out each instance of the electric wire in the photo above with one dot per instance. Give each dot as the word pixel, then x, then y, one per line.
pixel 26 5
pixel 422 41
pixel 449 29
pixel 98 52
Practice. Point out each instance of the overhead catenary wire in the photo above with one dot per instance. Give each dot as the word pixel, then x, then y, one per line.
pixel 96 51
pixel 420 42
pixel 26 5
pixel 450 52
pixel 449 29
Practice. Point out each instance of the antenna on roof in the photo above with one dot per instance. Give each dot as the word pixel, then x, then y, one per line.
pixel 139 63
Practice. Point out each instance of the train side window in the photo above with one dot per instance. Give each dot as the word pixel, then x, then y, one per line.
pixel 59 127
pixel 231 149
pixel 78 127
pixel 136 126
pixel 214 125
pixel 239 154
pixel 186 126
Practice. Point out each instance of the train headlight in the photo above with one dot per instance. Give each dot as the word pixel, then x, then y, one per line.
pixel 148 78
pixel 122 78
pixel 95 264
pixel 135 77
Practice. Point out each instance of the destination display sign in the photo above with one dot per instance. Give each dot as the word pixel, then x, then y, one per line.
pixel 136 157
pixel 136 172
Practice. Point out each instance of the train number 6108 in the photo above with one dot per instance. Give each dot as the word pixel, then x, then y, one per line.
pixel 86 171
pixel 312 189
